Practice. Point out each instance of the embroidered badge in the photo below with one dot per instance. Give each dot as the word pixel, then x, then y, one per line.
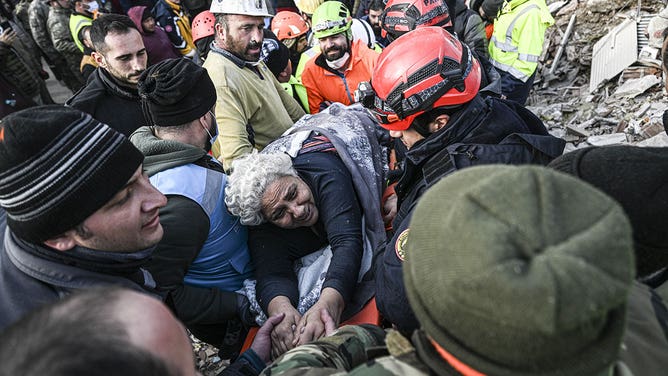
pixel 400 245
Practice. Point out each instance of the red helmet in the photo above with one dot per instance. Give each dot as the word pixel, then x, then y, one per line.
pixel 441 73
pixel 202 26
pixel 288 25
pixel 402 16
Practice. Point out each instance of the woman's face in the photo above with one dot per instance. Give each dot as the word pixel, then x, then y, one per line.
pixel 288 203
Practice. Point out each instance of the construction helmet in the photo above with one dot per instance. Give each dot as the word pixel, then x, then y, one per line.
pixel 288 25
pixel 331 18
pixel 203 25
pixel 441 73
pixel 308 6
pixel 402 16
pixel 256 8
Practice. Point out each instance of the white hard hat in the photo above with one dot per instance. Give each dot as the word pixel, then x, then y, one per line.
pixel 243 7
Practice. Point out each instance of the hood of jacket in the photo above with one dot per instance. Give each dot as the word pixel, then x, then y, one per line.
pixel 135 14
pixel 161 154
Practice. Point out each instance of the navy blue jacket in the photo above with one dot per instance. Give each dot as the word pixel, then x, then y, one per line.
pixel 485 131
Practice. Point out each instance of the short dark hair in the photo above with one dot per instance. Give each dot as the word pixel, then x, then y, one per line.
pixel 75 337
pixel 221 18
pixel 377 5
pixel 109 24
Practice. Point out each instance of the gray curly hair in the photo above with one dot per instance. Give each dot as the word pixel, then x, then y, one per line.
pixel 250 177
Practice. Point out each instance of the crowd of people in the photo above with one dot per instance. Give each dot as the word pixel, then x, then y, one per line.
pixel 232 165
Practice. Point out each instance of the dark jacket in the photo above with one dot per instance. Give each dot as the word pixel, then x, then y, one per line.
pixel 158 46
pixel 105 100
pixel 485 131
pixel 274 249
pixel 470 29
pixel 186 227
pixel 33 275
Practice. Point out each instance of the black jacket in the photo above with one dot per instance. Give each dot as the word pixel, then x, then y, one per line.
pixel 33 275
pixel 485 131
pixel 107 101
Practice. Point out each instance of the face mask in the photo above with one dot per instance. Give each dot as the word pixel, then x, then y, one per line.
pixel 93 6
pixel 338 63
pixel 212 132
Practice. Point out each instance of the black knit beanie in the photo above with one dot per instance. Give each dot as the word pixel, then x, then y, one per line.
pixel 58 166
pixel 175 92
pixel 274 53
pixel 638 179
pixel 146 14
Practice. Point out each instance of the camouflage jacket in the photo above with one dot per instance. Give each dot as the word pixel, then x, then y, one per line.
pixel 38 13
pixel 363 350
pixel 58 25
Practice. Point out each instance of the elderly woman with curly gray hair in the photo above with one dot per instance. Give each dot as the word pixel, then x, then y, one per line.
pixel 296 207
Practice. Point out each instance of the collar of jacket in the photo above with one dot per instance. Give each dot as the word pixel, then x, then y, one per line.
pixel 512 4
pixel 79 267
pixel 239 62
pixel 354 58
pixel 163 154
pixel 461 123
pixel 114 86
pixel 175 7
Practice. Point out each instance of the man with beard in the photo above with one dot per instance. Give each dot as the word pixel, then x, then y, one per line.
pixel 111 95
pixel 252 107
pixel 203 257
pixel 333 75
pixel 373 18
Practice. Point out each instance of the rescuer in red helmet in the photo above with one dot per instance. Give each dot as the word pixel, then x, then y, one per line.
pixel 429 100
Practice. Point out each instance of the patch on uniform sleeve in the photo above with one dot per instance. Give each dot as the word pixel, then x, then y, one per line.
pixel 168 28
pixel 400 245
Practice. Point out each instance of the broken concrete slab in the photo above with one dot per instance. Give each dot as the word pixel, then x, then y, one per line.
pixel 635 87
pixel 578 131
pixel 607 139
pixel 660 140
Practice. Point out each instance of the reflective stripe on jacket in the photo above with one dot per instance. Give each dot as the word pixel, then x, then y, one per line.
pixel 517 39
pixel 78 22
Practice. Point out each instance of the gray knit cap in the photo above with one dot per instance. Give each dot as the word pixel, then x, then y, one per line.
pixel 520 271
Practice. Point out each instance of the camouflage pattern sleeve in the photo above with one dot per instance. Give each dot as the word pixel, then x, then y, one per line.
pixel 337 354
pixel 38 13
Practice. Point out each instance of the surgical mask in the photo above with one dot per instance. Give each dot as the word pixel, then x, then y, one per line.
pixel 338 63
pixel 213 134
pixel 93 6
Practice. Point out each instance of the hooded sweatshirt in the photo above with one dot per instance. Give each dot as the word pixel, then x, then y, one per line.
pixel 158 46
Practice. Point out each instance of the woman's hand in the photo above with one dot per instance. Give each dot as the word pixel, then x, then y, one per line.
pixel 312 326
pixel 283 334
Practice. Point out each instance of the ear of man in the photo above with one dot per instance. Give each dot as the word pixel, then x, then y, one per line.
pixel 63 242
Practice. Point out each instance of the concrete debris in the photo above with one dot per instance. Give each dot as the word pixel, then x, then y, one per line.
pixel 607 139
pixel 563 99
pixel 658 141
pixel 633 88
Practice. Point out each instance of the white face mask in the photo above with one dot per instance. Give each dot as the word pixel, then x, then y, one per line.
pixel 93 6
pixel 338 63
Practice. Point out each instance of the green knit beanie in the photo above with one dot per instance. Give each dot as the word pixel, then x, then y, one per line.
pixel 520 271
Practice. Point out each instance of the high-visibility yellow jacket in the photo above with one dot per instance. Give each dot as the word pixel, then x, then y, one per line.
pixel 517 40
pixel 77 22
pixel 295 86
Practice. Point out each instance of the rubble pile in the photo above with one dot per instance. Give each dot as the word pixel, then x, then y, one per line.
pixel 628 108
